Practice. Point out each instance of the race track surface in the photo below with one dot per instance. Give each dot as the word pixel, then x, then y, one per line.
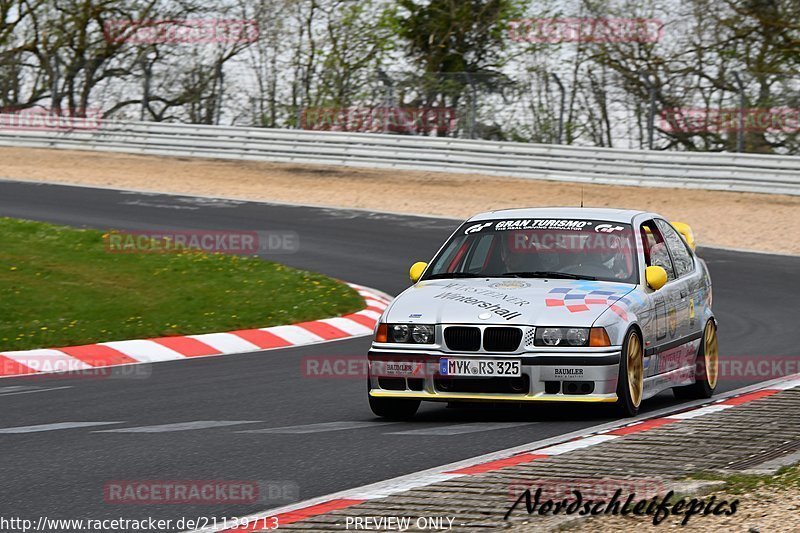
pixel 60 471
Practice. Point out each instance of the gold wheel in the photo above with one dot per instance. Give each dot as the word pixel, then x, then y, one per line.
pixel 711 354
pixel 635 369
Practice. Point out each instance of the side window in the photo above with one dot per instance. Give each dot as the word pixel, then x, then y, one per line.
pixel 683 259
pixel 655 249
pixel 451 257
pixel 479 255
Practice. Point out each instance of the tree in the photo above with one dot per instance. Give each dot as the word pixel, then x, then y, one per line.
pixel 456 45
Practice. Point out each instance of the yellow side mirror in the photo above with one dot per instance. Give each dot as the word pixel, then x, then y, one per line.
pixel 685 230
pixel 416 270
pixel 655 276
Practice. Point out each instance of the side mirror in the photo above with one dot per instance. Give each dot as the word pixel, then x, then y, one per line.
pixel 685 230
pixel 655 276
pixel 417 269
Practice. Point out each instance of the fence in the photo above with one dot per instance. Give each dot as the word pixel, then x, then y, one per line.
pixel 714 171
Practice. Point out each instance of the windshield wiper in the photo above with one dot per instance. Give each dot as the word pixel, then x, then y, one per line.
pixel 547 274
pixel 445 275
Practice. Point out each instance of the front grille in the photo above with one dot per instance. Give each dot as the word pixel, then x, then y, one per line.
pixel 463 339
pixel 518 385
pixel 501 339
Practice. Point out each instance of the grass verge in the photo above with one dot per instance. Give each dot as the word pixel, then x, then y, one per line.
pixel 60 286
pixel 736 483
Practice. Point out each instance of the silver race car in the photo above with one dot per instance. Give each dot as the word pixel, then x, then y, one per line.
pixel 550 304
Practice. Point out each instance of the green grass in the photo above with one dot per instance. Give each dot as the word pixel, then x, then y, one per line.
pixel 788 476
pixel 59 286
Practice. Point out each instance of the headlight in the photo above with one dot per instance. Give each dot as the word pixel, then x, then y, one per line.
pixel 577 336
pixel 406 333
pixel 571 337
pixel 400 333
pixel 422 334
pixel 549 336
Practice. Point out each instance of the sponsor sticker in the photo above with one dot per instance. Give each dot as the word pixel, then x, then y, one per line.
pixel 403 369
pixel 608 228
pixel 497 309
pixel 511 284
pixel 567 373
pixel 529 223
pixel 476 228
pixel 548 223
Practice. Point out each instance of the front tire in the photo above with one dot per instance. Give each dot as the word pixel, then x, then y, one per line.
pixel 706 368
pixel 630 382
pixel 393 408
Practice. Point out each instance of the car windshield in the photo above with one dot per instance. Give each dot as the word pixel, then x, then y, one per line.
pixel 543 248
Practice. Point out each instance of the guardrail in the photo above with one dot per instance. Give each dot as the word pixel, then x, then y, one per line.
pixel 716 171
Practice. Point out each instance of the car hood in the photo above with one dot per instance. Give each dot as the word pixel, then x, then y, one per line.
pixel 536 302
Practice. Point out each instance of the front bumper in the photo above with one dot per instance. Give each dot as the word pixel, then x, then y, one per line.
pixel 548 377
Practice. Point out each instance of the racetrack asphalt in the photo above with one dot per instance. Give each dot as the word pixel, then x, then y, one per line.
pixel 61 473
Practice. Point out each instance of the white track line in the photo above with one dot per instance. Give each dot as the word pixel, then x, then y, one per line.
pixel 180 426
pixel 699 412
pixel 461 429
pixel 322 427
pixel 573 445
pixel 33 390
pixel 52 427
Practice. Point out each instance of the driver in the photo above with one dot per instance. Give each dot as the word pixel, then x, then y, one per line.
pixel 612 256
pixel 521 251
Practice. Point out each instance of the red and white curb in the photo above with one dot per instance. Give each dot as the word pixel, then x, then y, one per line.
pixel 139 351
pixel 512 457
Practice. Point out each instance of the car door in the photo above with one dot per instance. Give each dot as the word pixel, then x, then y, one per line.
pixel 687 278
pixel 664 302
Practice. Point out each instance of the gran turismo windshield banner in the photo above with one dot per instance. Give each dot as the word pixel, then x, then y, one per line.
pixel 540 247
pixel 543 224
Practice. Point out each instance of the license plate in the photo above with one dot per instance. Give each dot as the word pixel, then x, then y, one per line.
pixel 479 368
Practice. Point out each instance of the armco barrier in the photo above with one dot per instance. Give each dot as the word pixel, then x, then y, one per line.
pixel 715 171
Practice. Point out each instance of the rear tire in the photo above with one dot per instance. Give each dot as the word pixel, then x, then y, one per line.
pixel 706 368
pixel 630 382
pixel 393 408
